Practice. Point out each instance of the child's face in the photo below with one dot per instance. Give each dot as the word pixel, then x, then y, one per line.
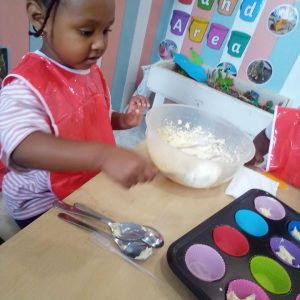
pixel 76 35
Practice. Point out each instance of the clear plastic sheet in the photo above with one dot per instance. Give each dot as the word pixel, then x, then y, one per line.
pixel 107 244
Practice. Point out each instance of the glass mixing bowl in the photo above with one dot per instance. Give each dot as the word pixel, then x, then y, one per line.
pixel 191 169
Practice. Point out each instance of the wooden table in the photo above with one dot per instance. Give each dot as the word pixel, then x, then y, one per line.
pixel 51 259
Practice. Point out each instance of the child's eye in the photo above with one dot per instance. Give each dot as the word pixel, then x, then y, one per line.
pixel 86 32
pixel 107 31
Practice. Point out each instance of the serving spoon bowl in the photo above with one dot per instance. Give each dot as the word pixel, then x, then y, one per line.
pixel 122 231
pixel 135 249
pixel 127 231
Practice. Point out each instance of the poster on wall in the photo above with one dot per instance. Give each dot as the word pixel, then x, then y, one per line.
pixel 3 63
pixel 252 40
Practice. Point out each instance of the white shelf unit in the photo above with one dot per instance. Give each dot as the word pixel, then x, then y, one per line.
pixel 168 84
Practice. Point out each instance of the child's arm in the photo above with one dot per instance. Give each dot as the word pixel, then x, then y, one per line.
pixel 44 151
pixel 133 115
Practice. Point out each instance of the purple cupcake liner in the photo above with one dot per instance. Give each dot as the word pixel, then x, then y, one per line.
pixel 286 251
pixel 204 262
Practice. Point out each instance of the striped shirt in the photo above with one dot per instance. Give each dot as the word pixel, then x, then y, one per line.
pixel 26 193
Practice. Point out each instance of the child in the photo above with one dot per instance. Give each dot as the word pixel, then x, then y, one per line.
pixel 56 123
pixel 281 141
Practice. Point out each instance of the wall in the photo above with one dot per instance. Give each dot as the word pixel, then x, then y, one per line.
pixel 14 29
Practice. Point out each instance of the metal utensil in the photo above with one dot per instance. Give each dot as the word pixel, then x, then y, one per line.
pixel 147 234
pixel 127 231
pixel 122 231
pixel 136 250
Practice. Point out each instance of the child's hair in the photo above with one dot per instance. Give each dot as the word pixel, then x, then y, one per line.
pixel 49 5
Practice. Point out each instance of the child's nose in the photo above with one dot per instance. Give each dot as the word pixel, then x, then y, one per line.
pixel 98 43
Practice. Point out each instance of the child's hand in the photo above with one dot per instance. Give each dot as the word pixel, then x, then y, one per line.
pixel 135 111
pixel 256 160
pixel 128 168
pixel 261 143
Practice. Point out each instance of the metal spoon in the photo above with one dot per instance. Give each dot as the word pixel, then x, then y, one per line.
pixel 122 231
pixel 125 231
pixel 137 250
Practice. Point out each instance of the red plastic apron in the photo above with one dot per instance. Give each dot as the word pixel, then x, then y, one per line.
pixel 77 105
pixel 284 152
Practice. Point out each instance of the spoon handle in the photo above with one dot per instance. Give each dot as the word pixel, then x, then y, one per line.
pixel 93 213
pixel 81 210
pixel 81 224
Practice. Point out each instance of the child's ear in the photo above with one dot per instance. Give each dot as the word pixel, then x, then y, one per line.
pixel 36 13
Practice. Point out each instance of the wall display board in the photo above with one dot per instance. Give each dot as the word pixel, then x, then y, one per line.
pixel 257 41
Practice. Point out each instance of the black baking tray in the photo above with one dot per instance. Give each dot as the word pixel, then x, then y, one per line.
pixel 236 267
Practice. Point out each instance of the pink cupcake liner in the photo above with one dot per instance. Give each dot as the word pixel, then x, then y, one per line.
pixel 244 288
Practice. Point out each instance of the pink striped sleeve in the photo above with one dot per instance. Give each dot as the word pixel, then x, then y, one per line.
pixel 20 114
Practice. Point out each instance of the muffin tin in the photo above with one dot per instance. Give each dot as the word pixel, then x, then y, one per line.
pixel 250 247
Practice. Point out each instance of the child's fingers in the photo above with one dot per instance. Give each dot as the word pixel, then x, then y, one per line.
pixel 149 173
pixel 138 101
pixel 136 111
pixel 256 160
pixel 259 160
pixel 133 118
pixel 141 101
pixel 145 102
